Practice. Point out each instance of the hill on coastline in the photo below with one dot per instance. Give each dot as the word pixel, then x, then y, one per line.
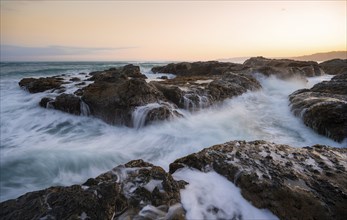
pixel 312 57
pixel 322 56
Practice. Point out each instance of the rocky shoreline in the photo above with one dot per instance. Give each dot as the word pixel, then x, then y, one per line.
pixel 309 182
pixel 292 183
pixel 123 96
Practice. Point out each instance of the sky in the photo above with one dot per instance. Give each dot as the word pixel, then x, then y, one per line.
pixel 169 30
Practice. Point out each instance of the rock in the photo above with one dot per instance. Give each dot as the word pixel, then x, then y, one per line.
pixel 324 107
pixel 45 101
pixel 131 191
pixel 196 92
pixel 293 183
pixel 115 101
pixel 68 103
pixel 283 68
pixel 113 74
pixel 65 102
pixel 198 68
pixel 163 77
pixel 334 67
pixel 34 85
pixel 75 79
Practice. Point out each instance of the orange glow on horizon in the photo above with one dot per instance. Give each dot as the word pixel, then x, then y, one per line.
pixel 174 30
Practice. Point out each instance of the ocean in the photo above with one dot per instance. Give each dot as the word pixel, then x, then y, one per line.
pixel 44 147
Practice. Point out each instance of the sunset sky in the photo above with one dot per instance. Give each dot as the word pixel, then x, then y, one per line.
pixel 169 30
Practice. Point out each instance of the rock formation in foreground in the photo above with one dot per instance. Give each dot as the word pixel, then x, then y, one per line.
pixel 293 183
pixel 324 107
pixel 136 190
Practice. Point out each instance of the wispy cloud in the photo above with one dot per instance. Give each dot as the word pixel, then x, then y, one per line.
pixel 13 52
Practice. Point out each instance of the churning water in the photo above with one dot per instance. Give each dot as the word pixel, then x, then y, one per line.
pixel 44 147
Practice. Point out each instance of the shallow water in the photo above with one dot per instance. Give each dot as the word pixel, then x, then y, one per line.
pixel 43 147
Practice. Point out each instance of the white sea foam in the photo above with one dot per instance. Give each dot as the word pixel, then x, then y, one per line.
pixel 43 147
pixel 212 196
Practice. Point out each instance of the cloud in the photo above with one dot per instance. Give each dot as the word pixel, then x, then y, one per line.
pixel 13 52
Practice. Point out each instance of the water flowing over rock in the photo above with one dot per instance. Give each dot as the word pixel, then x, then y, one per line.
pixel 293 183
pixel 334 67
pixel 283 68
pixel 42 84
pixel 136 190
pixel 197 92
pixel 324 107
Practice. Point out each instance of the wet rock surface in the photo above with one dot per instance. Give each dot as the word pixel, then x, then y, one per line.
pixel 283 68
pixel 293 183
pixel 117 94
pixel 324 107
pixel 120 95
pixel 198 68
pixel 334 67
pixel 136 190
pixel 42 84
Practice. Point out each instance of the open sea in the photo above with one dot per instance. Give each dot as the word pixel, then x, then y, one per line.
pixel 44 147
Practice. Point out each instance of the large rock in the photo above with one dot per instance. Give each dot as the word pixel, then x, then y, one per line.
pixel 334 67
pixel 283 68
pixel 293 183
pixel 196 92
pixel 324 107
pixel 198 68
pixel 114 102
pixel 65 102
pixel 113 74
pixel 136 190
pixel 42 84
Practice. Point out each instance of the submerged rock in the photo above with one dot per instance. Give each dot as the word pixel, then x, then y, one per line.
pixel 42 84
pixel 324 107
pixel 136 190
pixel 283 68
pixel 334 67
pixel 293 183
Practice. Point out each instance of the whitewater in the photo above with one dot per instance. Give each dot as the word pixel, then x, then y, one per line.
pixel 44 147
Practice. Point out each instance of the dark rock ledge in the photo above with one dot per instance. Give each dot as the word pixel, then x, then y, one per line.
pixel 293 183
pixel 324 107
pixel 136 190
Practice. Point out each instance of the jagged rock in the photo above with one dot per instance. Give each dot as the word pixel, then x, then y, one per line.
pixel 334 67
pixel 113 74
pixel 198 68
pixel 34 85
pixel 324 107
pixel 283 68
pixel 136 190
pixel 115 101
pixel 195 92
pixel 75 79
pixel 44 102
pixel 68 103
pixel 65 102
pixel 293 183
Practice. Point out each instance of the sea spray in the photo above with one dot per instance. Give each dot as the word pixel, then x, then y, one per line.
pixel 211 196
